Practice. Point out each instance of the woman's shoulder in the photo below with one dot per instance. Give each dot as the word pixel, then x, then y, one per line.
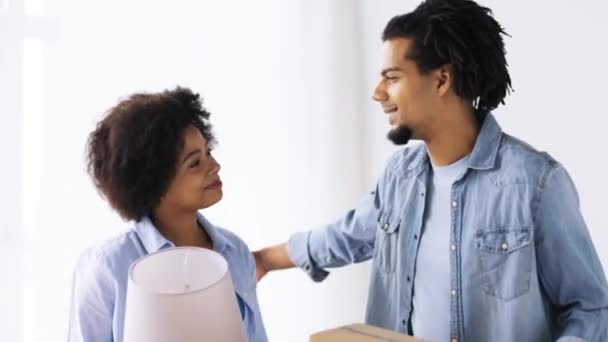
pixel 223 236
pixel 111 255
pixel 232 238
pixel 237 248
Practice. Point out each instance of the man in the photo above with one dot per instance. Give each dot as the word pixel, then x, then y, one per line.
pixel 474 235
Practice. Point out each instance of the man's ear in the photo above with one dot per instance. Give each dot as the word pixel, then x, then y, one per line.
pixel 445 78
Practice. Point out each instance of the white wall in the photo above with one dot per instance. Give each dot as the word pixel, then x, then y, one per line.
pixel 272 74
pixel 289 85
pixel 11 246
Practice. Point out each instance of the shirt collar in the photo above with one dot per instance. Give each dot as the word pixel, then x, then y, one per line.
pixel 220 241
pixel 483 156
pixel 486 147
pixel 154 241
pixel 150 237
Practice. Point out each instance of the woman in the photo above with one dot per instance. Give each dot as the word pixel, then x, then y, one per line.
pixel 150 157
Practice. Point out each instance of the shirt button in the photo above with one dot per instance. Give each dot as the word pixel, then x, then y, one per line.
pixel 404 322
pixel 307 267
pixel 504 246
pixel 409 279
pixel 453 292
pixel 453 247
pixel 385 226
pixel 454 340
pixel 415 237
pixel 454 204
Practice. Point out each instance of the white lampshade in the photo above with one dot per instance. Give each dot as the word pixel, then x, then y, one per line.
pixel 182 294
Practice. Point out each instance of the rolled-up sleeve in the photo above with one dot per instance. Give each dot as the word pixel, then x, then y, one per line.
pixel 349 240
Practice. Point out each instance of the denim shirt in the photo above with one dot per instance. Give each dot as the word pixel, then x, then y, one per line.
pixel 100 281
pixel 522 264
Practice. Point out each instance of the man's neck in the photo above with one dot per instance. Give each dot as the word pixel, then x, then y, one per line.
pixel 455 139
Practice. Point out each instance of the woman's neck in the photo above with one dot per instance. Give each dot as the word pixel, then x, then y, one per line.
pixel 181 228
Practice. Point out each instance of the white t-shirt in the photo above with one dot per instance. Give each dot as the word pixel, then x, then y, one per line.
pixel 431 301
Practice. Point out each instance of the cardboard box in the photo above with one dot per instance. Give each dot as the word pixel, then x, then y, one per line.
pixel 361 333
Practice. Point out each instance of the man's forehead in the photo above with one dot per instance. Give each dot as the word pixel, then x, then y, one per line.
pixel 394 52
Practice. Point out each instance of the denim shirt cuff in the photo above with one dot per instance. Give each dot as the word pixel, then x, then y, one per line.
pixel 298 251
pixel 570 339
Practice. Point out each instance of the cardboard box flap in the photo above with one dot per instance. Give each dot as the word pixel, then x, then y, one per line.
pixel 361 333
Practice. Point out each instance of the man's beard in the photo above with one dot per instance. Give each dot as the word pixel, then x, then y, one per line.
pixel 400 135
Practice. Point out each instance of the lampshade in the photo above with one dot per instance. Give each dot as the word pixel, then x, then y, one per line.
pixel 182 294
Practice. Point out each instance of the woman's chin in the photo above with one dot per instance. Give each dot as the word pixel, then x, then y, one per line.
pixel 212 199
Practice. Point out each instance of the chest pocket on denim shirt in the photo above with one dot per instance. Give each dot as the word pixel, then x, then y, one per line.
pixel 506 261
pixel 387 243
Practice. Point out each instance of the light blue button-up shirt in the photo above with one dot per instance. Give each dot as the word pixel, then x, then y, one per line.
pixel 522 264
pixel 100 281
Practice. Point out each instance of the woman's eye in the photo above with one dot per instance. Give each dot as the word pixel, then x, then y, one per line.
pixel 195 163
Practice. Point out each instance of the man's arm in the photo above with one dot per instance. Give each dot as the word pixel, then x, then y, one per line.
pixel 271 259
pixel 568 266
pixel 349 240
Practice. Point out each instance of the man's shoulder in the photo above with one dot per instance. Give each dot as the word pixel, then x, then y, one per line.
pixel 519 162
